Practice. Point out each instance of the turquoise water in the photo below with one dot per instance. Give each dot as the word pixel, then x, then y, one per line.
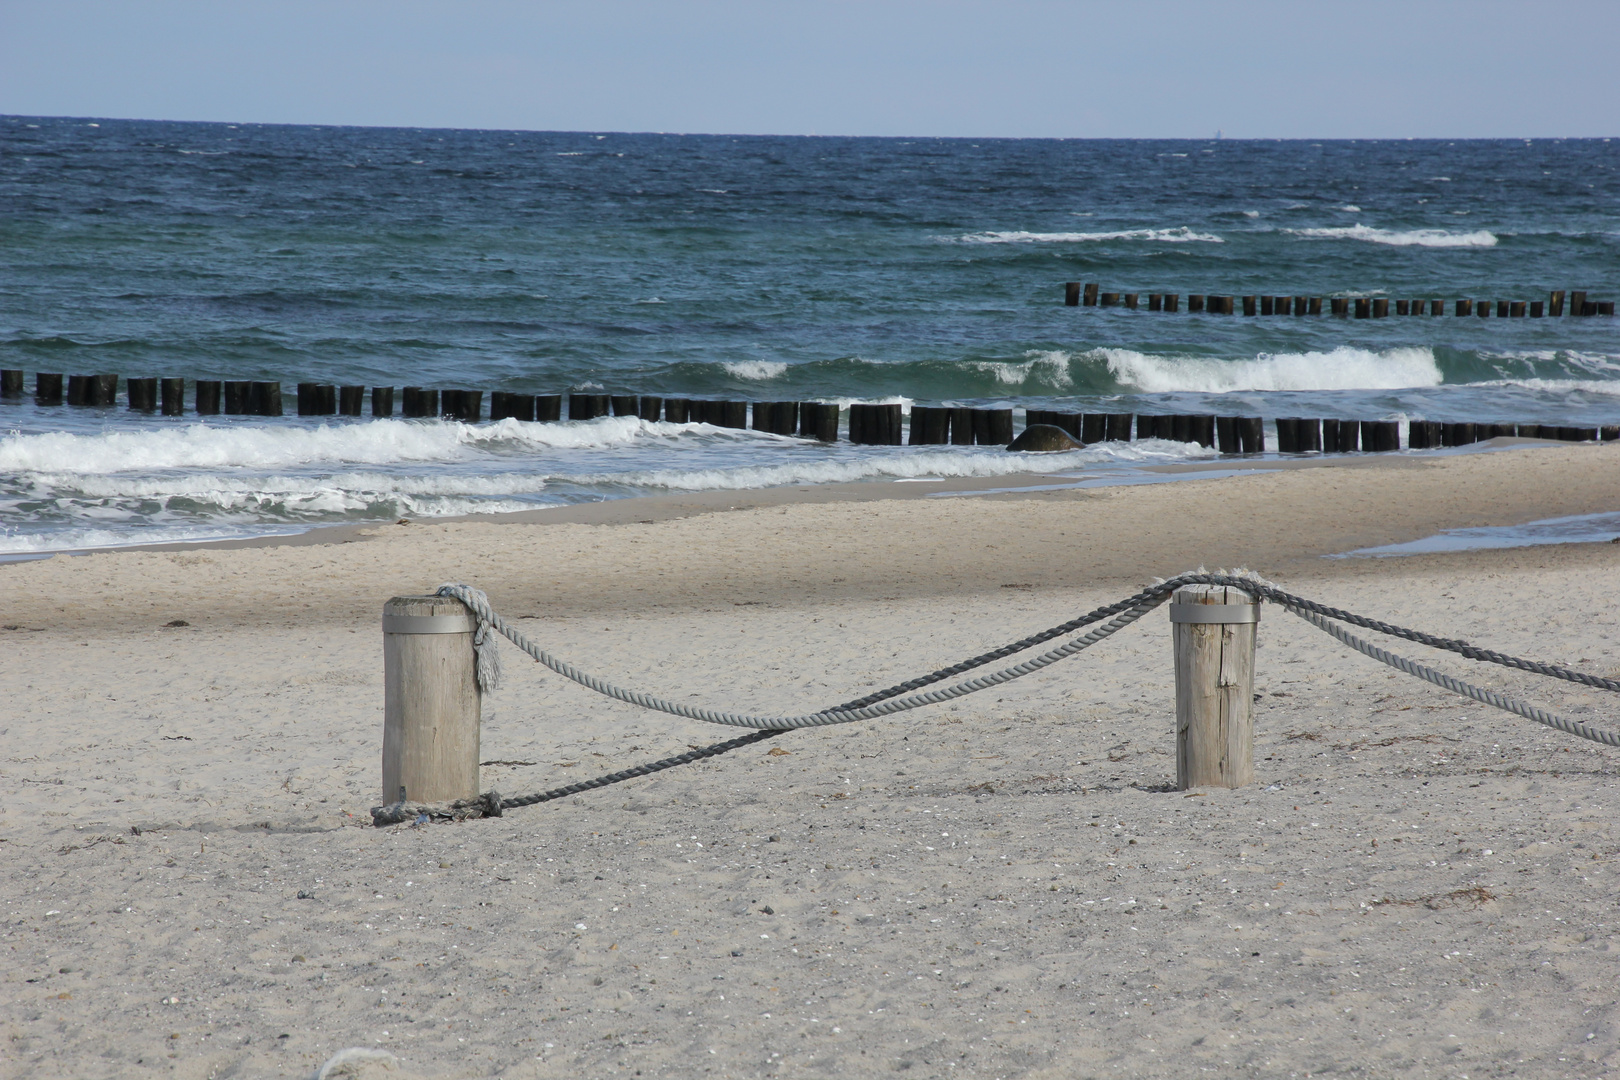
pixel 912 270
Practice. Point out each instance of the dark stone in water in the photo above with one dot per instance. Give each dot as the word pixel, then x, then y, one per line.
pixel 1045 438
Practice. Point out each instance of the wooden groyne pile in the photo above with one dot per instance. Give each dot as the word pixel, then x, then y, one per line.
pixel 1559 302
pixel 869 425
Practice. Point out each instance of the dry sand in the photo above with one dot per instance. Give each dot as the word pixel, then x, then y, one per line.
pixel 1003 887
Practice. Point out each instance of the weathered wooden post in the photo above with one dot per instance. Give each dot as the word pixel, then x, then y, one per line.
pixel 430 701
pixel 1213 627
pixel 173 396
pixel 1071 293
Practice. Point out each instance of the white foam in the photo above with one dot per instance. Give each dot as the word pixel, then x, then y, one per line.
pixel 907 464
pixel 1044 369
pixel 378 442
pixel 1181 235
pixel 756 369
pixel 1434 238
pixel 1343 368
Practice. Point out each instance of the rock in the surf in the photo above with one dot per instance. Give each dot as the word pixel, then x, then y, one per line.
pixel 1045 438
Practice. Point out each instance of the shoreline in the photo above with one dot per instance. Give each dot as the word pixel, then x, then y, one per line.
pixel 653 508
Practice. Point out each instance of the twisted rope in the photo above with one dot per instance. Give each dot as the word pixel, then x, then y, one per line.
pixel 888 701
pixel 479 604
pixel 1457 686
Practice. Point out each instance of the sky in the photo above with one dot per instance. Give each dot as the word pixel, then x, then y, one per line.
pixel 1010 68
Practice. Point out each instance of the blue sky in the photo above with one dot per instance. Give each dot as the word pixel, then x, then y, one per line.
pixel 1300 69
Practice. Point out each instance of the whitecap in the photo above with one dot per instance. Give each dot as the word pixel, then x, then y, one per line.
pixel 1343 368
pixel 755 369
pixel 1433 238
pixel 1180 235
pixel 1046 369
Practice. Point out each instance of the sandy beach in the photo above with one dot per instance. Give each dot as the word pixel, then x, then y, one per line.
pixel 1004 887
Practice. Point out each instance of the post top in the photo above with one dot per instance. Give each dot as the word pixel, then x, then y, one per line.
pixel 424 605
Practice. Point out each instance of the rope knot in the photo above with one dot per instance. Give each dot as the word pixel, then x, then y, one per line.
pixel 488 659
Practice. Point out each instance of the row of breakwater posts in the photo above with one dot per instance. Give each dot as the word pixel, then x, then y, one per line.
pixel 1559 302
pixel 439 660
pixel 871 425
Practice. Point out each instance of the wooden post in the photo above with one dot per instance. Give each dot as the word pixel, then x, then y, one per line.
pixel 11 383
pixel 1380 307
pixel 1315 306
pixel 547 408
pixel 1226 435
pixel 1465 307
pixel 142 394
pixel 47 388
pixel 1483 309
pixel 173 399
pixel 1363 307
pixel 104 390
pixel 625 405
pixel 351 400
pixel 1089 295
pixel 1071 293
pixel 1155 301
pixel 382 401
pixel 1172 301
pixel 1109 299
pixel 236 396
pixel 819 420
pixel 1404 307
pixel 1252 434
pixel 1287 435
pixel 1537 308
pixel 207 397
pixel 1268 305
pixel 1555 302
pixel 1093 428
pixel 430 700
pixel 1251 305
pixel 1516 309
pixel 1339 305
pixel 1195 301
pixel 1213 627
pixel 1130 300
pixel 264 398
pixel 1577 301
pixel 1437 307
pixel 652 408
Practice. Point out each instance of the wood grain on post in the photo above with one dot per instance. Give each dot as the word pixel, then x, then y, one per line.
pixel 1214 685
pixel 430 701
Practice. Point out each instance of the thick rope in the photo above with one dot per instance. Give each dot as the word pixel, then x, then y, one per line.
pixel 479 605
pixel 487 669
pixel 884 702
pixel 1457 686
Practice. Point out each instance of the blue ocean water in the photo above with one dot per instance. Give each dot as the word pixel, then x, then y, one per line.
pixel 771 268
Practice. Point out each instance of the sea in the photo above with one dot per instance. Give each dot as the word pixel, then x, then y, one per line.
pixel 908 270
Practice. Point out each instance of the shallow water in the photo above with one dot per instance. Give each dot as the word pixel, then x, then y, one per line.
pixel 1579 529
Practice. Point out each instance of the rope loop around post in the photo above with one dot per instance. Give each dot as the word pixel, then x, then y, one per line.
pixel 889 701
